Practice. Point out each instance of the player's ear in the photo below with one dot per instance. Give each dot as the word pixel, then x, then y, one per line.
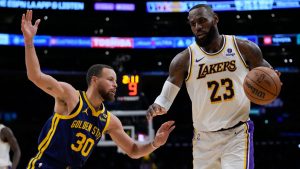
pixel 94 78
pixel 216 19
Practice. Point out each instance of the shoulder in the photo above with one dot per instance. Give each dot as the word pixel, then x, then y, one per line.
pixel 2 126
pixel 68 100
pixel 251 53
pixel 7 130
pixel 68 91
pixel 67 87
pixel 114 123
pixel 182 56
pixel 181 60
pixel 246 45
pixel 248 49
pixel 6 133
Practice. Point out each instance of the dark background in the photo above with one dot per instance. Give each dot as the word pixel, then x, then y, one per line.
pixel 25 108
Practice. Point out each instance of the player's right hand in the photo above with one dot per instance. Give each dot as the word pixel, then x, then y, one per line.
pixel 155 110
pixel 29 30
pixel 163 133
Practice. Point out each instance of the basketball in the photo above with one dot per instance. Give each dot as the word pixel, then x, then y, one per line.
pixel 262 85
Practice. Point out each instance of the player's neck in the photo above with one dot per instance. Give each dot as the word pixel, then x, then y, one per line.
pixel 94 99
pixel 215 45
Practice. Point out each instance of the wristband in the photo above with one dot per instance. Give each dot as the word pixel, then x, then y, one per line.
pixel 167 95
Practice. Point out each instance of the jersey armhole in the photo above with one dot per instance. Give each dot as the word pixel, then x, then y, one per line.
pixel 190 64
pixel 239 53
pixel 75 111
pixel 107 123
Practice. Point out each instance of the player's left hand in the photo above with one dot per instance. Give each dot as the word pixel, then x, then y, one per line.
pixel 155 110
pixel 163 133
pixel 279 74
pixel 29 30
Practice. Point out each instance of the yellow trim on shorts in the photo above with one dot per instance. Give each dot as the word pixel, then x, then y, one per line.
pixel 191 64
pixel 107 122
pixel 94 112
pixel 45 143
pixel 238 52
pixel 246 146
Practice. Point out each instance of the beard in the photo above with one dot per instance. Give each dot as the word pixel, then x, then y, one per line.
pixel 107 96
pixel 206 40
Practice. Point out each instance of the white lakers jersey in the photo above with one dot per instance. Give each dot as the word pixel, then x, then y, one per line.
pixel 4 152
pixel 215 86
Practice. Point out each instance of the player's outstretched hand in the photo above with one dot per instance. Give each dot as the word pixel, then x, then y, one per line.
pixel 29 30
pixel 155 110
pixel 163 133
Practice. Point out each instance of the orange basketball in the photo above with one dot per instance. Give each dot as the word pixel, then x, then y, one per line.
pixel 262 85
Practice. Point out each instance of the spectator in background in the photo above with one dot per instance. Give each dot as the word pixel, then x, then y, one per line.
pixel 8 141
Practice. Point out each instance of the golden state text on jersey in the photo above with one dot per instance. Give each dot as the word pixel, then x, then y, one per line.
pixel 67 141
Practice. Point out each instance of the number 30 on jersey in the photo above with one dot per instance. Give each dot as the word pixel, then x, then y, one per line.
pixel 83 144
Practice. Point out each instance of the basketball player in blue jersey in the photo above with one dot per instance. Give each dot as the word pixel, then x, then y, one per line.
pixel 214 68
pixel 80 118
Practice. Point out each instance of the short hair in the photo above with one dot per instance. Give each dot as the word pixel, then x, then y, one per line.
pixel 207 7
pixel 95 70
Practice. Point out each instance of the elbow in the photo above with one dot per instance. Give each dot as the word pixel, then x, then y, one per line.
pixel 19 154
pixel 33 77
pixel 18 157
pixel 133 153
pixel 134 156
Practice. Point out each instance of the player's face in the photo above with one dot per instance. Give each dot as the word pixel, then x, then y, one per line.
pixel 203 25
pixel 107 84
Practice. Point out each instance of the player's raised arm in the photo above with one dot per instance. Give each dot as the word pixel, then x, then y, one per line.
pixel 34 73
pixel 129 146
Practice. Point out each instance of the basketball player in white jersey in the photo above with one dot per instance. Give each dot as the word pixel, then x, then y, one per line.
pixel 7 142
pixel 214 68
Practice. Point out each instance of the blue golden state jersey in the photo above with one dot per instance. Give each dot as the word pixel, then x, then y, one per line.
pixel 67 141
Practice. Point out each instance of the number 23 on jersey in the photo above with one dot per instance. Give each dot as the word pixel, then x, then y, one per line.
pixel 215 86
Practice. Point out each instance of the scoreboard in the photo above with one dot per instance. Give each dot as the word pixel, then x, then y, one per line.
pixel 131 81
pixel 128 88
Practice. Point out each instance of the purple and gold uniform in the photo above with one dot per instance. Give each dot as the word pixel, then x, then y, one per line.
pixel 223 129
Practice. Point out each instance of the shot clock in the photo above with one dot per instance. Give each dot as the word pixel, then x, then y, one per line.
pixel 128 88
pixel 132 82
pixel 129 94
